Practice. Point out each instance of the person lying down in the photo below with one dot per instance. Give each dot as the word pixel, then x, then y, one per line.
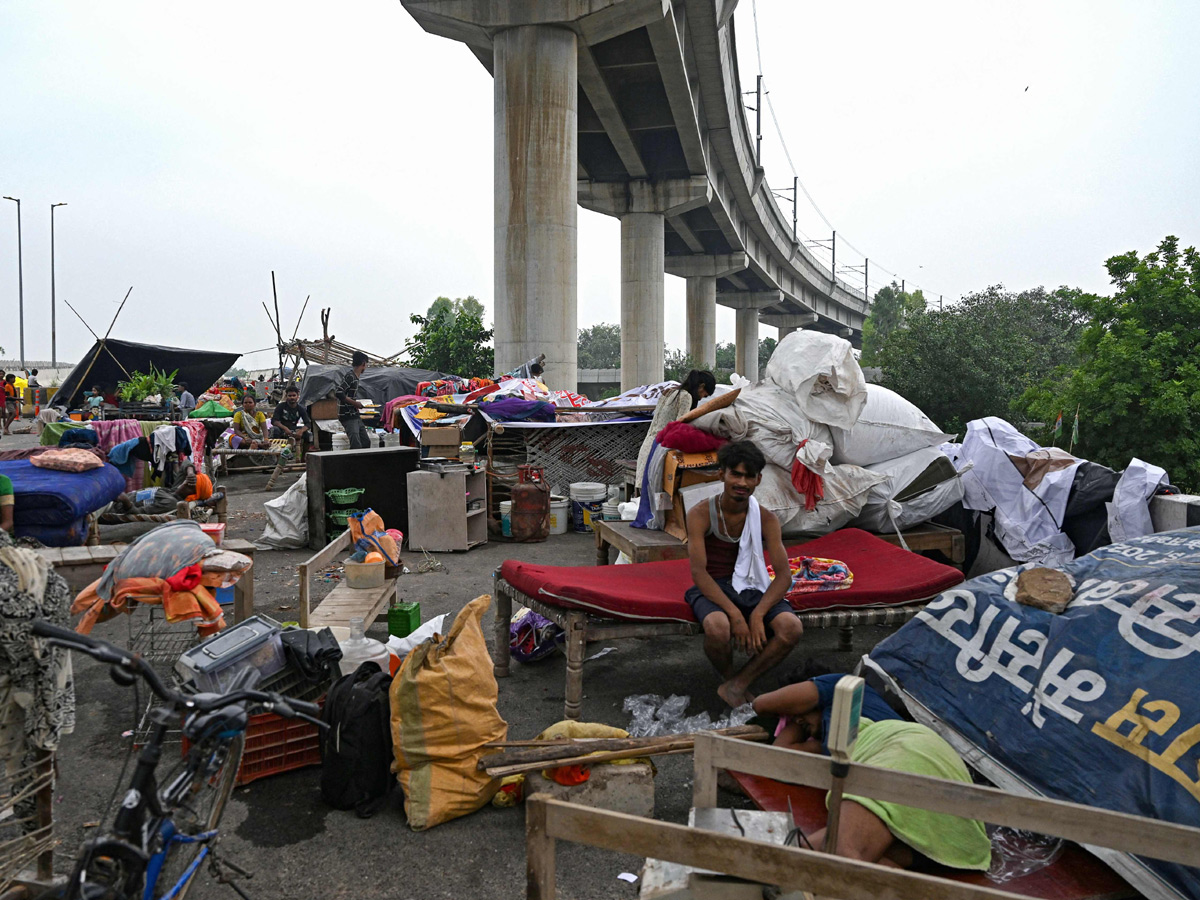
pixel 870 830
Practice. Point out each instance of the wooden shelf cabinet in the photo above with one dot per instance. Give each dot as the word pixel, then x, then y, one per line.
pixel 438 518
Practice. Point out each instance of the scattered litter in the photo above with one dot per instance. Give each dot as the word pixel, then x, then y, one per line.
pixel 604 652
pixel 91 824
pixel 628 876
pixel 126 734
pixel 1016 852
pixel 283 607
pixel 654 716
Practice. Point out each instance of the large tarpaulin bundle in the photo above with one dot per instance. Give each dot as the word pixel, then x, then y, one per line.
pixel 1095 705
pixel 111 361
pixel 380 384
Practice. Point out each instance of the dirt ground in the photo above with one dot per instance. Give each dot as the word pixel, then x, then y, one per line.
pixel 278 827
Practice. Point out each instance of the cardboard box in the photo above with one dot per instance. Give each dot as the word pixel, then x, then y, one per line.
pixel 682 470
pixel 441 440
pixel 324 409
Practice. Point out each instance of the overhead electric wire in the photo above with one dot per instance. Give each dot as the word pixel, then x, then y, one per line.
pixel 792 165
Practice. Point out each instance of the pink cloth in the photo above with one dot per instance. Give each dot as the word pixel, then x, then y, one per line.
pixel 197 434
pixel 403 400
pixel 118 431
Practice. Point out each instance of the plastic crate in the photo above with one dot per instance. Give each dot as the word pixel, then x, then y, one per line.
pixel 275 744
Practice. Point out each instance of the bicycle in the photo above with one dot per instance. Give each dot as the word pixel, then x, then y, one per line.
pixel 161 836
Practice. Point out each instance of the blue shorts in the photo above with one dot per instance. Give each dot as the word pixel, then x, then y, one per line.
pixel 745 601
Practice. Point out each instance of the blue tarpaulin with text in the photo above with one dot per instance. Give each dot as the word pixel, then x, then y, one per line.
pixel 1098 705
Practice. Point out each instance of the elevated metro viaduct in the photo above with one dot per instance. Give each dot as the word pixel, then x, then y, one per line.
pixel 633 108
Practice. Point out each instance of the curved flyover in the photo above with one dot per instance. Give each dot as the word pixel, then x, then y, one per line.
pixel 633 108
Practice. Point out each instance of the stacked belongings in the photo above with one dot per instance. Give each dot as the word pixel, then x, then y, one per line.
pixel 839 451
pixel 176 566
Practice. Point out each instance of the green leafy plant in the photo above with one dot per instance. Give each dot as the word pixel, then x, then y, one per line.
pixel 142 385
pixel 1136 386
pixel 452 339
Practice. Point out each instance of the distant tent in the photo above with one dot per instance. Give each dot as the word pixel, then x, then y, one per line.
pixel 111 361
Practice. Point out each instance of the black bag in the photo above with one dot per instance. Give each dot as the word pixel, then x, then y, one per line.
pixel 356 749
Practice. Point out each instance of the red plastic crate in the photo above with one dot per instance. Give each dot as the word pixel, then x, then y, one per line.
pixel 275 744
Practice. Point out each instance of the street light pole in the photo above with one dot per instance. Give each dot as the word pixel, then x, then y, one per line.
pixel 53 337
pixel 20 281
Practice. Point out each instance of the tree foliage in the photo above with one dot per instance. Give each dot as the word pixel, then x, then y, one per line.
pixel 600 347
pixel 890 310
pixel 978 357
pixel 1137 384
pixel 452 339
pixel 766 346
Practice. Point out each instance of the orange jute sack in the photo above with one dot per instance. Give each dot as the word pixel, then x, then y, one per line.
pixel 443 703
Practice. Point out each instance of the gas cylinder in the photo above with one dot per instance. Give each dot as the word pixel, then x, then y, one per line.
pixel 530 516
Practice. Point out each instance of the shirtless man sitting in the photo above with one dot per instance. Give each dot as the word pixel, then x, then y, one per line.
pixel 733 598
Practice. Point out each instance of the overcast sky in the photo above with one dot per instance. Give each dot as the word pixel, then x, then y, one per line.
pixel 351 152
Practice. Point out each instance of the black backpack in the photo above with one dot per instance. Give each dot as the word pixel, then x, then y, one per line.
pixel 356 749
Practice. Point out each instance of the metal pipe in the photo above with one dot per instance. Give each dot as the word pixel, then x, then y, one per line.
pixel 20 281
pixel 53 324
pixel 758 126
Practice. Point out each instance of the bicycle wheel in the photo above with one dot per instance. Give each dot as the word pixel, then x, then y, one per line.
pixel 198 811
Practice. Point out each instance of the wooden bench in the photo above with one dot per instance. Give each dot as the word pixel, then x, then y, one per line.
pixel 80 566
pixel 343 603
pixel 642 545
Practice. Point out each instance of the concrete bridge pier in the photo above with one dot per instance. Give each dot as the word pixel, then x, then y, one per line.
pixel 643 207
pixel 702 272
pixel 536 136
pixel 747 304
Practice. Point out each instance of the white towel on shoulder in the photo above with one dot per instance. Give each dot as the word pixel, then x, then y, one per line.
pixel 751 569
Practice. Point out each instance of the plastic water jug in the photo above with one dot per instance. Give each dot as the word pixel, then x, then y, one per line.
pixel 359 648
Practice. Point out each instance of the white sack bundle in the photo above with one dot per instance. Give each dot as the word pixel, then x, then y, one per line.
pixel 846 491
pixel 918 486
pixel 820 371
pixel 889 427
pixel 772 419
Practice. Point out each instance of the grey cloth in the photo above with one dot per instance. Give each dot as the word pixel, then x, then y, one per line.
pixel 357 432
pixel 654 474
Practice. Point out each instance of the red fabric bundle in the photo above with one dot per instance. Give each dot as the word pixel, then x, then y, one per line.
pixel 807 482
pixel 688 438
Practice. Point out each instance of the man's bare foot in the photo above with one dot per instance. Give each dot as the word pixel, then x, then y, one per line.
pixel 733 695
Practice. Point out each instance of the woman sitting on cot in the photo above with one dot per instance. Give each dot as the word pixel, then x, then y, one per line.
pixel 250 426
pixel 870 830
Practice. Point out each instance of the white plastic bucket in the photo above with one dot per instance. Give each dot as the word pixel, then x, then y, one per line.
pixel 587 504
pixel 506 518
pixel 611 513
pixel 341 441
pixel 560 511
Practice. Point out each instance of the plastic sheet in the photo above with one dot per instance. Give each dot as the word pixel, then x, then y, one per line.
pixel 653 716
pixel 1017 853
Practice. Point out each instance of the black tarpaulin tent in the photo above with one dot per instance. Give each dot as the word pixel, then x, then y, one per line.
pixel 111 360
pixel 379 384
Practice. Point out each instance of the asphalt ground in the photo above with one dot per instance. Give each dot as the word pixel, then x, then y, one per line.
pixel 278 827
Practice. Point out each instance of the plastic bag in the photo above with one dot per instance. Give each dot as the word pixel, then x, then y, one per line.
pixel 287 519
pixel 1016 852
pixel 532 636
pixel 367 532
pixel 654 716
pixel 402 646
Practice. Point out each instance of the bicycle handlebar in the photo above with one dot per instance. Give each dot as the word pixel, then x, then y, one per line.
pixel 105 652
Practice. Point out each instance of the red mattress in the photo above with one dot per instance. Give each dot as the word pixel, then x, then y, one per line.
pixel 884 575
